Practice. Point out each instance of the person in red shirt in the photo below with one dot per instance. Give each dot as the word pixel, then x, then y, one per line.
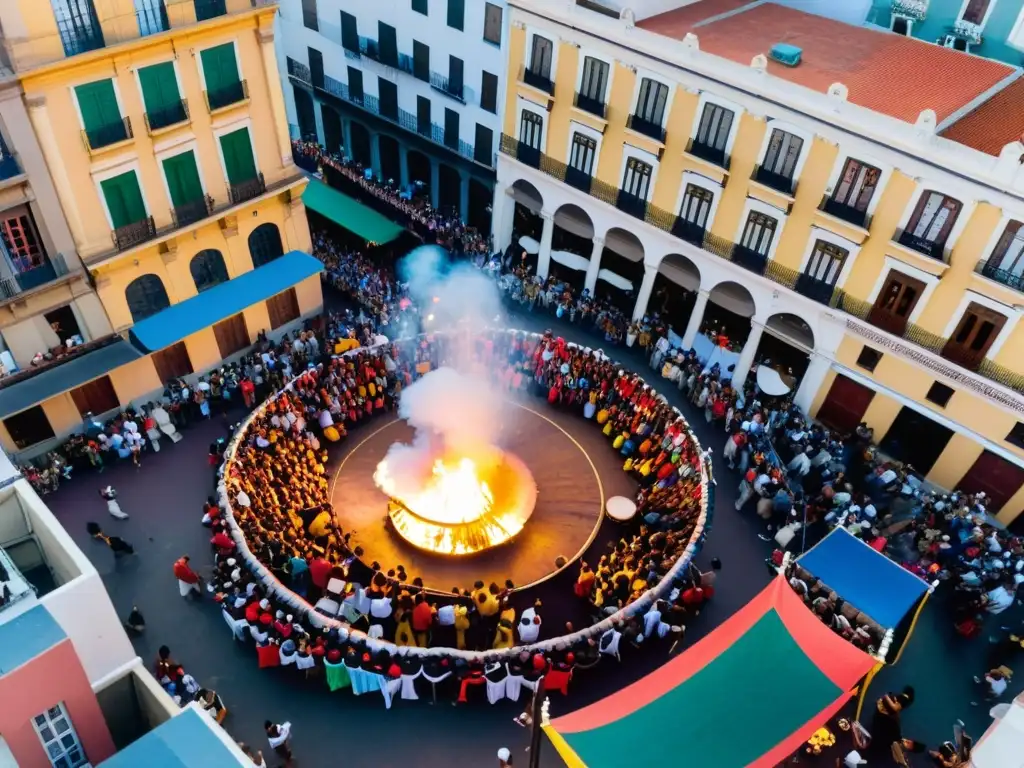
pixel 422 620
pixel 320 572
pixel 188 580
pixel 225 546
pixel 248 392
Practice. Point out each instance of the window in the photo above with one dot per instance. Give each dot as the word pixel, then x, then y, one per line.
pixel 29 427
pixel 172 362
pixel 977 330
pixel 540 57
pixel 899 296
pixel 531 129
pixel 934 218
pixel 489 92
pixel 265 244
pixel 650 105
pixel 421 61
pixel 1016 436
pixel 582 153
pixel 316 69
pixel 637 179
pixel 714 128
pixel 232 335
pixel 451 128
pixel 183 182
pixel 423 115
pixel 78 26
pixel 387 93
pixel 309 19
pixel 101 114
pixel 1009 250
pixel 124 199
pixel 96 397
pixel 208 269
pixel 901 25
pixel 456 13
pixel 759 232
pixel 387 39
pixel 220 73
pixel 696 205
pixel 146 296
pixel 210 9
pixel 420 6
pixel 455 76
pixel 826 262
pixel 869 358
pixel 856 185
pixel 595 79
pixel 939 394
pixel 152 17
pixel 63 322
pixel 355 84
pixel 492 23
pixel 160 95
pixel 975 11
pixel 484 145
pixel 22 240
pixel 283 308
pixel 239 162
pixel 59 738
pixel 783 152
pixel 349 32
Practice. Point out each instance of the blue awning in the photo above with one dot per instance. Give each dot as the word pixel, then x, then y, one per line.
pixel 62 376
pixel 26 636
pixel 186 740
pixel 173 324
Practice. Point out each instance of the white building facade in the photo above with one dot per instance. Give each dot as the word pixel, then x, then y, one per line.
pixel 410 88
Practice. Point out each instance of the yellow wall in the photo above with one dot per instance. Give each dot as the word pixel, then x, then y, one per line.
pixel 135 379
pixel 202 349
pixel 309 294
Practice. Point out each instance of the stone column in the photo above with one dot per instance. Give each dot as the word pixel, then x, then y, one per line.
pixel 739 374
pixel 346 137
pixel 464 197
pixel 594 266
pixel 435 183
pixel 696 318
pixel 403 166
pixel 273 77
pixel 817 368
pixel 375 155
pixel 40 118
pixel 544 256
pixel 644 296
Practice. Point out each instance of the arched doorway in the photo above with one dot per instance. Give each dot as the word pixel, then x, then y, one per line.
pixel 304 112
pixel 265 244
pixel 146 296
pixel 390 159
pixel 786 346
pixel 449 194
pixel 208 269
pixel 479 215
pixel 675 292
pixel 573 233
pixel 621 269
pixel 360 144
pixel 730 307
pixel 526 220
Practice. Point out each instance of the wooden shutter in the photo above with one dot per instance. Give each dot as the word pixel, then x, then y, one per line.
pixel 172 362
pixel 238 159
pixel 456 13
pixel 232 335
pixel 219 66
pixel 183 179
pixel 455 74
pixel 159 86
pixel 124 199
pixel 349 32
pixel 96 397
pixel 98 104
pixel 421 61
pixel 283 308
pixel 388 42
pixel 451 128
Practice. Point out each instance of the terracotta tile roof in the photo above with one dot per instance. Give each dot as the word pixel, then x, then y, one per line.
pixel 994 124
pixel 888 73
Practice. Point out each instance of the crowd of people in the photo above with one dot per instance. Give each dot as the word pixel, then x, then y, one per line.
pixel 279 494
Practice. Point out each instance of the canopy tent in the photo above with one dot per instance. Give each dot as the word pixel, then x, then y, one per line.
pixel 864 577
pixel 351 214
pixel 1003 743
pixel 748 694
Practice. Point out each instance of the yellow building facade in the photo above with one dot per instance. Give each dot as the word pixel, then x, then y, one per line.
pixel 827 228
pixel 167 141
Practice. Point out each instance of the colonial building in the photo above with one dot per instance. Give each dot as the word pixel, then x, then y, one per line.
pixel 830 203
pixel 990 28
pixel 163 128
pixel 410 88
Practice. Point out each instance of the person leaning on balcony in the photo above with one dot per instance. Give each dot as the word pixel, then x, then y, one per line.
pixel 188 580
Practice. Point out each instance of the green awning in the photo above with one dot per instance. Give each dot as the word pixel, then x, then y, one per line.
pixel 349 213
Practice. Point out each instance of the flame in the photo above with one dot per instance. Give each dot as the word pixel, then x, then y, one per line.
pixel 453 495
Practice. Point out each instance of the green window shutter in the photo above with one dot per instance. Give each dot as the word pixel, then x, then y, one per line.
pixel 238 160
pixel 159 87
pixel 183 182
pixel 124 199
pixel 98 104
pixel 219 66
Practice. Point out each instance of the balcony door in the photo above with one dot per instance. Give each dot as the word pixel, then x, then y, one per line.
pixel 531 129
pixel 595 80
pixel 540 57
pixel 696 206
pixel 758 233
pixel 974 335
pixel 896 302
pixel 714 128
pixel 1008 256
pixel 651 102
pixel 826 262
pixel 934 218
pixel 582 154
pixel 856 185
pixel 783 152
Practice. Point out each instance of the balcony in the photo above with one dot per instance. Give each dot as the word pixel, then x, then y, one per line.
pixel 921 245
pixel 108 135
pixel 80 35
pixel 967 30
pixel 776 181
pixel 844 212
pixel 190 213
pixel 631 204
pixel 1001 276
pixel 9 167
pixel 591 105
pixel 646 127
pixel 540 80
pixel 229 95
pixel 210 9
pixel 912 9
pixel 688 231
pixel 527 155
pixel 164 118
pixel 749 259
pixel 708 153
pixel 443 85
pixel 131 235
pixel 578 179
pixel 814 289
pixel 29 279
pixel 247 190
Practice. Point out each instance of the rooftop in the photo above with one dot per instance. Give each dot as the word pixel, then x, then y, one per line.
pixel 188 740
pixel 887 73
pixel 994 124
pixel 26 636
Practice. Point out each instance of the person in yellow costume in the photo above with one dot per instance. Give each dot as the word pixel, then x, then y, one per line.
pixel 461 625
pixel 504 637
pixel 602 416
pixel 403 632
pixel 320 524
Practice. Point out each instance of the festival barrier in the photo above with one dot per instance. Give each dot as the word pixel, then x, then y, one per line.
pixel 301 608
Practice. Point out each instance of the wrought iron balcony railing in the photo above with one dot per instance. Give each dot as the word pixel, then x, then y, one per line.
pixel 540 80
pixel 912 9
pixel 814 289
pixel 846 213
pixel 646 127
pixel 930 248
pixel 590 104
pixel 689 231
pixel 106 135
pixel 168 116
pixel 190 213
pixel 134 234
pixel 750 259
pixel 233 93
pixel 247 190
pixel 49 270
pixel 709 153
pixel 777 181
pixel 1005 277
pixel 444 85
